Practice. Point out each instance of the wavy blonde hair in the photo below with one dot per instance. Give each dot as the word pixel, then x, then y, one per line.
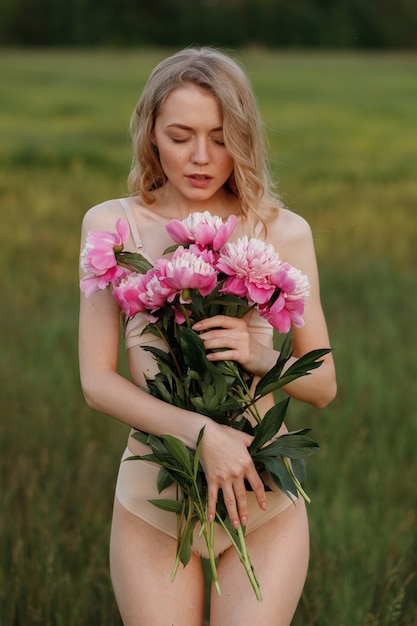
pixel 243 131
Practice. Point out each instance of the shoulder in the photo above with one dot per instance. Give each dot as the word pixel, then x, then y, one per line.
pixel 103 216
pixel 288 231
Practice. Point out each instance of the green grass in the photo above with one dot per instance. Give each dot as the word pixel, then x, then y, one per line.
pixel 341 128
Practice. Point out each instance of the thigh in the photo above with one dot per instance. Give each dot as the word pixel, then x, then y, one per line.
pixel 141 561
pixel 279 552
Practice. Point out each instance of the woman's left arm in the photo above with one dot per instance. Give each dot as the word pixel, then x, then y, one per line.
pixel 318 388
pixel 234 337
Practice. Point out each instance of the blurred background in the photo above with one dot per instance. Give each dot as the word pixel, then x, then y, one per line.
pixel 312 23
pixel 336 84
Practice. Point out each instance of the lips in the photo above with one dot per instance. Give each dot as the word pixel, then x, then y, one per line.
pixel 199 180
pixel 200 176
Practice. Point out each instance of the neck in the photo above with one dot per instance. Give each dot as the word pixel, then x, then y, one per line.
pixel 175 206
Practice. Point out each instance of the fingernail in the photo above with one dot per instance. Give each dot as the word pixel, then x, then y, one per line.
pixel 244 520
pixel 197 326
pixel 236 524
pixel 264 506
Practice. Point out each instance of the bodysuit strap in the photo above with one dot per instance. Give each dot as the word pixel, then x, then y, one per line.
pixel 258 229
pixel 132 223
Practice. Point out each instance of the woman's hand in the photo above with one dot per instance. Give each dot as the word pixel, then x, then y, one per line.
pixel 227 463
pixel 231 339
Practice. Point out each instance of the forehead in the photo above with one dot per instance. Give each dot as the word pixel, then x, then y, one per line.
pixel 192 106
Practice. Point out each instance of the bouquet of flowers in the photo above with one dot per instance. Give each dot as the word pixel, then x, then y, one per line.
pixel 206 275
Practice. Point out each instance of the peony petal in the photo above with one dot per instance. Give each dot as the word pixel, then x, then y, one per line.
pixel 260 293
pixel 234 286
pixel 122 229
pixel 179 232
pixel 224 232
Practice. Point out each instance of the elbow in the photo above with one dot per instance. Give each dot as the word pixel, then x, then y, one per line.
pixel 326 395
pixel 89 398
pixel 90 394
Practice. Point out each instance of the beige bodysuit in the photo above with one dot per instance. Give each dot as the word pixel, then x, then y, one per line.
pixel 137 479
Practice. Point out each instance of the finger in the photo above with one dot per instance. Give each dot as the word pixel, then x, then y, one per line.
pixel 218 321
pixel 230 502
pixel 241 496
pixel 223 355
pixel 211 503
pixel 224 345
pixel 258 488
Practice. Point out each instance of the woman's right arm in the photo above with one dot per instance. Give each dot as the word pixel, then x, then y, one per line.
pixel 105 390
pixel 224 456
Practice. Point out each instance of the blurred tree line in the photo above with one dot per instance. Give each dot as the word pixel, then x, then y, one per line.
pixel 275 23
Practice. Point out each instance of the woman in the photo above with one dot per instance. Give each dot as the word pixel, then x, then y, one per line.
pixel 198 147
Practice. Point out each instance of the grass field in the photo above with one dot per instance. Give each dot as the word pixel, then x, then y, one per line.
pixel 343 139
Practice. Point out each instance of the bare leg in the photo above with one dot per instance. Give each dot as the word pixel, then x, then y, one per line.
pixel 141 560
pixel 279 552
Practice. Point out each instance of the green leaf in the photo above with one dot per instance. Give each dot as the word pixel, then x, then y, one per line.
pixel 151 458
pixel 307 362
pixel 193 349
pixel 194 355
pixel 269 426
pixel 174 247
pixel 164 479
pixel 161 356
pixel 198 450
pixel 157 446
pixel 271 381
pixel 281 477
pixel 286 347
pixel 274 379
pixel 135 260
pixel 139 435
pixel 292 445
pixel 197 303
pixel 300 470
pixel 172 506
pixel 162 392
pixel 184 550
pixel 179 451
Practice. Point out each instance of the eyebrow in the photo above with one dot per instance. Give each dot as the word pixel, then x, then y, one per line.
pixel 184 127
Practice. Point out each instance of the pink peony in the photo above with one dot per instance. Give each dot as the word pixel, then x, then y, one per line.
pixel 156 292
pixel 287 310
pixel 98 258
pixel 301 289
pixel 127 293
pixel 249 263
pixel 185 271
pixel 208 255
pixel 277 315
pixel 203 229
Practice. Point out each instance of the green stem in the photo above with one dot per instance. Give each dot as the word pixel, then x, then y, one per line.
pixel 249 406
pixel 179 542
pixel 212 560
pixel 243 555
pixel 295 479
pixel 166 342
pixel 248 565
pixel 246 395
pixel 185 313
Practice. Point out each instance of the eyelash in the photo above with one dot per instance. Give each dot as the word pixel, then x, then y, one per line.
pixel 216 141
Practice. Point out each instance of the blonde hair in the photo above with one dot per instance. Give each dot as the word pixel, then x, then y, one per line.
pixel 242 128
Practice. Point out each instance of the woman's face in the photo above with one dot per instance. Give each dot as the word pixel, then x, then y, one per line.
pixel 188 133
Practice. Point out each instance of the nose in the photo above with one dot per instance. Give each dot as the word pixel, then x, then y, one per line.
pixel 200 155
